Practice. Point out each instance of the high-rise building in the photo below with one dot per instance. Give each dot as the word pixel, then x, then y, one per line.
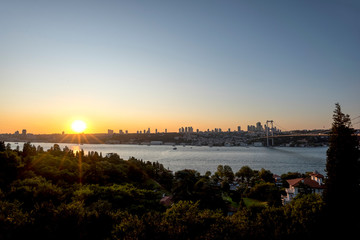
pixel 23 132
pixel 251 128
pixel 110 131
pixel 259 127
pixel 239 129
pixel 165 130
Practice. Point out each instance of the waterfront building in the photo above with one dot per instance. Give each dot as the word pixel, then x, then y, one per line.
pixel 311 184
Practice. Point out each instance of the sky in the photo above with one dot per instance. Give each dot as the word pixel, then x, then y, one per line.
pixel 134 65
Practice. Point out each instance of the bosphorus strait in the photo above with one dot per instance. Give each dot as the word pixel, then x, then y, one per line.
pixel 278 160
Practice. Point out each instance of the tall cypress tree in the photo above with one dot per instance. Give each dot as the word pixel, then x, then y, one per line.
pixel 342 194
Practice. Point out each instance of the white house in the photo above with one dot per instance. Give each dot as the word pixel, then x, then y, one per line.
pixel 317 177
pixel 313 183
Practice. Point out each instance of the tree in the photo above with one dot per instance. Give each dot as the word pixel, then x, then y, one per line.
pixel 225 175
pixel 245 174
pixel 184 184
pixel 342 166
pixel 9 164
pixel 28 150
pixel 266 175
pixel 2 146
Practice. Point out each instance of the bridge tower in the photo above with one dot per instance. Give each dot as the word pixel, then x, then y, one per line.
pixel 267 132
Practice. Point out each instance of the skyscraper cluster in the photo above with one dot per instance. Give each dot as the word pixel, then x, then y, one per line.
pixel 260 128
pixel 186 130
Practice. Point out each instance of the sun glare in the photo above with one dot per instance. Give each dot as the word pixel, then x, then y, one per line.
pixel 78 126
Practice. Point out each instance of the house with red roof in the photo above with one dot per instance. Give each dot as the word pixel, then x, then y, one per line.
pixel 311 184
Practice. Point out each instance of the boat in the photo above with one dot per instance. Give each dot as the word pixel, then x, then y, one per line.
pixel 175 148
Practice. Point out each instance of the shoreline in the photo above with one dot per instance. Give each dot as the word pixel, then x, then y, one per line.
pixel 172 144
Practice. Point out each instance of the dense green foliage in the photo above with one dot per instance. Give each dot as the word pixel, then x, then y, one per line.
pixel 61 194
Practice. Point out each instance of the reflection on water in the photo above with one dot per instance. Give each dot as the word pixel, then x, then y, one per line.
pixel 75 148
pixel 278 160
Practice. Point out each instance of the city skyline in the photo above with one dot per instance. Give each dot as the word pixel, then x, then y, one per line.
pixel 258 127
pixel 132 65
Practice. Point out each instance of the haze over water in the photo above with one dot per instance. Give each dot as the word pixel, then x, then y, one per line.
pixel 278 160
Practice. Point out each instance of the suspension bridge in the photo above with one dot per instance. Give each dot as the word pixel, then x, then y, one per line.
pixel 271 134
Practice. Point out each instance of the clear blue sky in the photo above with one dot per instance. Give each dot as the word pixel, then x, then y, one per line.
pixel 166 64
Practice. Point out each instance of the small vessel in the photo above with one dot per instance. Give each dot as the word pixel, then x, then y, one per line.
pixel 175 148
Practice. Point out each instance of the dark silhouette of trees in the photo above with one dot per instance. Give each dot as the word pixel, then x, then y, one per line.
pixel 2 146
pixel 41 195
pixel 9 165
pixel 342 194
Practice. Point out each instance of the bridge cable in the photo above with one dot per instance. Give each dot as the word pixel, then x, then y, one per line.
pixel 355 118
pixel 284 129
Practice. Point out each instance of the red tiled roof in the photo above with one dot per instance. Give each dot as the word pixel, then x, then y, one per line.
pixel 312 183
pixel 292 182
pixel 306 181
pixel 317 175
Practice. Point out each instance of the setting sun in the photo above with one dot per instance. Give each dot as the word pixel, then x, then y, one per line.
pixel 78 126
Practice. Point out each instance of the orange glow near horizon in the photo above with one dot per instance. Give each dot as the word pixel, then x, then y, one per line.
pixel 97 123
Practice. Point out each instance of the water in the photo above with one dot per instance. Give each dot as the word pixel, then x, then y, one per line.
pixel 278 160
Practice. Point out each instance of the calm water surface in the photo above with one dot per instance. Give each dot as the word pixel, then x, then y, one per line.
pixel 278 160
